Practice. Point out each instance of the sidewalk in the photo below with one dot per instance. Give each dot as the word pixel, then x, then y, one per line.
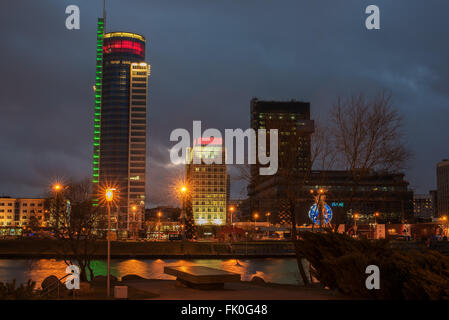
pixel 167 290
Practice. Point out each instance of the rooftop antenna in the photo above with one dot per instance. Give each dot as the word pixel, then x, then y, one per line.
pixel 104 14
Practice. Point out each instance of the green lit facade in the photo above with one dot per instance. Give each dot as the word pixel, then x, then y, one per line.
pixel 97 110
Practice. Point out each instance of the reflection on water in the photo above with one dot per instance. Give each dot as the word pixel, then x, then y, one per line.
pixel 283 270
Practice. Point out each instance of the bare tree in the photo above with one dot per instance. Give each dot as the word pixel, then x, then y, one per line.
pixel 368 133
pixel 368 136
pixel 76 224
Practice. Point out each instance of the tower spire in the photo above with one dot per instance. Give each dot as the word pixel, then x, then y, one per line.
pixel 104 13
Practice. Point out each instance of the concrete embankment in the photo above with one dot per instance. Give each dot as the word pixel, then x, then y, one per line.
pixel 34 248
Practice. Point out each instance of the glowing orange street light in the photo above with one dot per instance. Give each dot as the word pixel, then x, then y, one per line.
pixel 183 189
pixel 159 214
pixel 134 208
pixel 57 187
pixel 256 216
pixel 321 191
pixel 109 194
pixel 356 216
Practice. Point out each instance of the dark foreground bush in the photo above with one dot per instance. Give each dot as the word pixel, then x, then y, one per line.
pixel 339 262
pixel 8 290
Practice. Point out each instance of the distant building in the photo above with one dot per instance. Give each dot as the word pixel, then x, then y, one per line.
pixel 167 214
pixel 387 194
pixel 423 206
pixel 443 187
pixel 23 212
pixel 292 120
pixel 207 181
pixel 434 196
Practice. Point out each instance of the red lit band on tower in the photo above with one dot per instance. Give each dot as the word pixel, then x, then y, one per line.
pixel 124 46
pixel 208 141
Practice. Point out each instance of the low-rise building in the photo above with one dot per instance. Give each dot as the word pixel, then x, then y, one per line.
pixel 21 212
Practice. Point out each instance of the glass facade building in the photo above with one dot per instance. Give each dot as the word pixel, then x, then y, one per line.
pixel 120 126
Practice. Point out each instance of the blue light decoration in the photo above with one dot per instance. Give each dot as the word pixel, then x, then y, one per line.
pixel 314 215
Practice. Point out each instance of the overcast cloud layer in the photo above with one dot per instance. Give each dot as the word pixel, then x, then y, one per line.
pixel 209 58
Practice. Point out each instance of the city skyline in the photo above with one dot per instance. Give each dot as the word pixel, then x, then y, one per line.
pixel 204 89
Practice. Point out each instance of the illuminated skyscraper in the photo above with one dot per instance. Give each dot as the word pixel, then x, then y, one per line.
pixel 207 181
pixel 119 157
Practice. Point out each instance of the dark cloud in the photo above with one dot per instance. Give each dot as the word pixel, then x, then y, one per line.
pixel 209 58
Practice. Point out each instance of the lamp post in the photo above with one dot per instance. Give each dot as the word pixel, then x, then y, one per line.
pixel 134 225
pixel 183 192
pixel 255 216
pixel 376 214
pixel 232 209
pixel 159 215
pixel 57 188
pixel 268 214
pixel 109 195
pixel 356 216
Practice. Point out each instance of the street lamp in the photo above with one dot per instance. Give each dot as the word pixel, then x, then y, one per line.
pixel 183 190
pixel 255 216
pixel 268 214
pixel 159 215
pixel 376 215
pixel 232 209
pixel 109 195
pixel 134 224
pixel 355 217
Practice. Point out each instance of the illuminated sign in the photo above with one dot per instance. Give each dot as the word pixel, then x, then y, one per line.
pixel 337 204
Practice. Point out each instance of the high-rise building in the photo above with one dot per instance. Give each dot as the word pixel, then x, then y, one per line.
pixel 443 188
pixel 207 181
pixel 119 158
pixel 292 120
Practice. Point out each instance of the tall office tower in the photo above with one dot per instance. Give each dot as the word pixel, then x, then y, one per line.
pixel 443 188
pixel 120 124
pixel 292 119
pixel 207 181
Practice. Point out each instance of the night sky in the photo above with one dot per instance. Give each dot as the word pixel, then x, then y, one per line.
pixel 209 58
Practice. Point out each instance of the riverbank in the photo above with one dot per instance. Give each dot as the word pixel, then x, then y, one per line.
pixel 44 248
